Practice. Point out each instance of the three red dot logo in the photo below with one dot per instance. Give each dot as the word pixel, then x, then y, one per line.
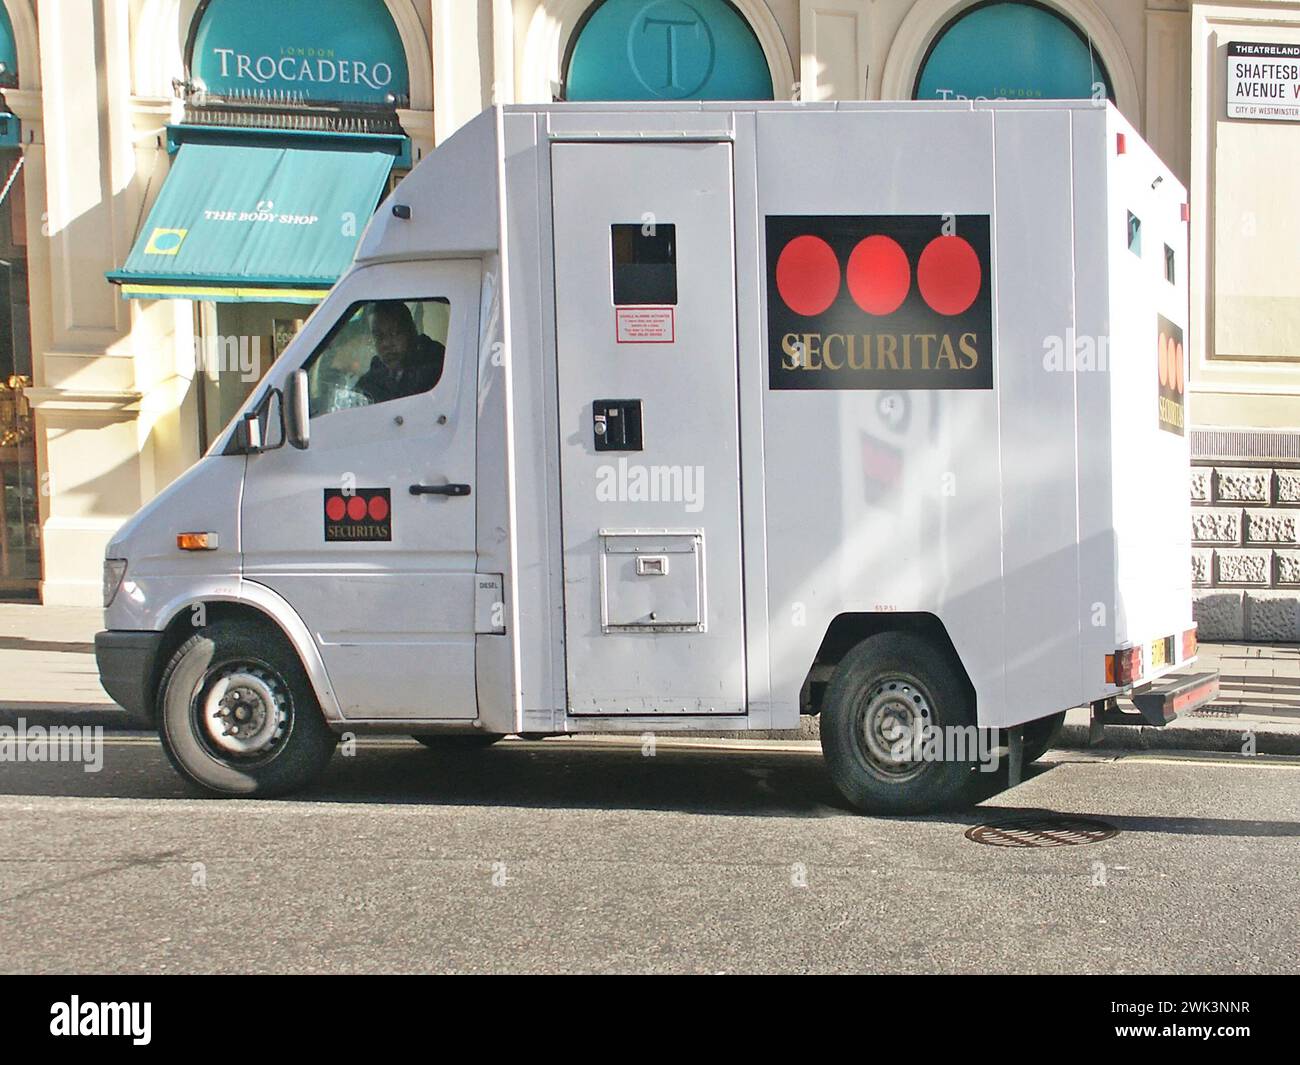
pixel 1171 369
pixel 360 515
pixel 337 508
pixel 1170 355
pixel 878 275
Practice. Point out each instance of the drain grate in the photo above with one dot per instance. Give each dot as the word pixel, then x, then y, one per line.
pixel 1046 831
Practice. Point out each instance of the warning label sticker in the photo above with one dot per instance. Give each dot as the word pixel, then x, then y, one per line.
pixel 646 325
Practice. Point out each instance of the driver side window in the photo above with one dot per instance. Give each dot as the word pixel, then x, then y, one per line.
pixel 380 350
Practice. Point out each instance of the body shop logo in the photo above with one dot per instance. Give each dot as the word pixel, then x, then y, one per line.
pixel 365 514
pixel 879 301
pixel 1169 353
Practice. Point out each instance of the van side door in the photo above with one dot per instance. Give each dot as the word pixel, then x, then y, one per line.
pixel 645 311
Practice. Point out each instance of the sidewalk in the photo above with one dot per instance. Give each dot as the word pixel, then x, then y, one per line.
pixel 47 666
pixel 47 675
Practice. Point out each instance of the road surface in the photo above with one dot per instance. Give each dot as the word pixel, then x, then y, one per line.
pixel 590 856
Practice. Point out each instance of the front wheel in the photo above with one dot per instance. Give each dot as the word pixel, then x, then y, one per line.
pixel 898 727
pixel 238 716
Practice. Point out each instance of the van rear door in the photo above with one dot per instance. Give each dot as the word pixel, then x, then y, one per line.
pixel 1149 360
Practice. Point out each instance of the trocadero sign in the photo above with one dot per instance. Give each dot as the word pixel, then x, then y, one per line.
pixel 309 51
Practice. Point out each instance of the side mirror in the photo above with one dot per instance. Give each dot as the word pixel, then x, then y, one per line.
pixel 251 436
pixel 248 433
pixel 297 410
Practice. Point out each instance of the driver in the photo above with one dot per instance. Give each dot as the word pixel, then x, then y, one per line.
pixel 406 362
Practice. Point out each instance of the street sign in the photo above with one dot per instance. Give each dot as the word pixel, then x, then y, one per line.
pixel 1264 81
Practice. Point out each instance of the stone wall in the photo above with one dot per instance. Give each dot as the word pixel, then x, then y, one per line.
pixel 1245 487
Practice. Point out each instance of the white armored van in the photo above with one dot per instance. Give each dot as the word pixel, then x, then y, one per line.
pixel 637 418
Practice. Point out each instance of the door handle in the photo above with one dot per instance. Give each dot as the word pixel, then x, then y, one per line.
pixel 439 489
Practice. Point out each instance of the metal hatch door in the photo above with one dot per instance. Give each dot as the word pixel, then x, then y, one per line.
pixel 649 435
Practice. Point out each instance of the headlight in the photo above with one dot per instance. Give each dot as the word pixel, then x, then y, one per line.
pixel 114 571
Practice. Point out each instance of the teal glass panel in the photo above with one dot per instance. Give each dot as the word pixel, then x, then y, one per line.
pixel 667 50
pixel 313 51
pixel 1013 51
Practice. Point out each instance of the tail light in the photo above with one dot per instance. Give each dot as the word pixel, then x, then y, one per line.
pixel 1189 643
pixel 1124 667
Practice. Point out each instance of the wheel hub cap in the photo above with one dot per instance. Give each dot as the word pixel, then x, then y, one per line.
pixel 243 711
pixel 893 720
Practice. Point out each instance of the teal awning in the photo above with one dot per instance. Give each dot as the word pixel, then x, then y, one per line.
pixel 247 223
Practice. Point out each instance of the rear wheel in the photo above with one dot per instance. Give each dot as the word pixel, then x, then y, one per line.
pixel 237 713
pixel 1040 736
pixel 890 698
pixel 458 741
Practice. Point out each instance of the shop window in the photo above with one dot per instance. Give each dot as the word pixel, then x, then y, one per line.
pixel 380 350
pixel 1134 234
pixel 1012 51
pixel 8 53
pixel 20 539
pixel 235 344
pixel 644 263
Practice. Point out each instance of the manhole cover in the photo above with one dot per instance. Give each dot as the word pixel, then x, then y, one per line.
pixel 1042 832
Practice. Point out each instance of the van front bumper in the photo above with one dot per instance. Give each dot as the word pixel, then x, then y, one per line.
pixel 126 662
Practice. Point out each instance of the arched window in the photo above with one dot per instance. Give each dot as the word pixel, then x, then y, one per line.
pixel 666 50
pixel 9 131
pixel 1016 50
pixel 304 52
pixel 8 52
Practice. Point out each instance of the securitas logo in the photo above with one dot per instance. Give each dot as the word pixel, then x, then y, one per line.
pixel 1169 352
pixel 365 514
pixel 879 301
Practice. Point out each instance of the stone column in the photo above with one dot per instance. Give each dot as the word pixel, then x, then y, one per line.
pixel 464 62
pixel 84 394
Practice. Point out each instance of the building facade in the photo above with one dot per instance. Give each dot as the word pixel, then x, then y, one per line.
pixel 167 220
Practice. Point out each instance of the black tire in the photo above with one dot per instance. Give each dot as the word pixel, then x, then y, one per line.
pixel 889 681
pixel 1040 736
pixel 476 741
pixel 288 744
